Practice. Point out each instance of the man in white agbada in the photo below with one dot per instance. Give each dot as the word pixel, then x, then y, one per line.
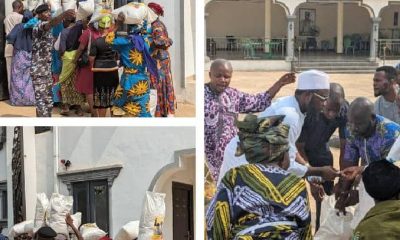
pixel 10 21
pixel 311 93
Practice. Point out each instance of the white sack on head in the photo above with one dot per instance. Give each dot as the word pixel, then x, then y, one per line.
pixel 136 13
pixel 76 220
pixel 85 9
pixel 41 212
pixel 60 205
pixel 68 4
pixel 90 231
pixel 19 228
pixel 33 4
pixel 128 232
pixel 153 215
pixel 55 6
pixel 99 14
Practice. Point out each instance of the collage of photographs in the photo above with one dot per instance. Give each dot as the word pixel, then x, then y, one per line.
pixel 199 119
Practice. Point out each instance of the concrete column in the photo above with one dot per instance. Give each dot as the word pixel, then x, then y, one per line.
pixel 30 173
pixel 374 38
pixel 290 38
pixel 267 25
pixel 339 40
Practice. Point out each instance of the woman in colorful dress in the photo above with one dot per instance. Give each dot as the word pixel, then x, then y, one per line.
pixel 260 200
pixel 164 85
pixel 133 93
pixel 84 74
pixel 21 87
pixel 105 70
pixel 69 44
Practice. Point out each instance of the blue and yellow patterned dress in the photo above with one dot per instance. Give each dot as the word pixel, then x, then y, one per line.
pixel 133 93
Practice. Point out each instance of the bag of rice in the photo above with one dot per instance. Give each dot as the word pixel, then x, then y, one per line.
pixel 129 231
pixel 56 8
pixel 77 221
pixel 90 231
pixel 33 4
pixel 68 4
pixel 99 14
pixel 153 214
pixel 136 13
pixel 20 228
pixel 41 212
pixel 59 207
pixel 85 9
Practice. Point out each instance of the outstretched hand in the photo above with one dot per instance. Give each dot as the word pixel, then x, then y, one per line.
pixel 287 78
pixel 351 173
pixel 328 173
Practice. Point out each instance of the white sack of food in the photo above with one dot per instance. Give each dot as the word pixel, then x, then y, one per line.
pixel 333 225
pixel 90 231
pixel 85 9
pixel 19 228
pixel 76 220
pixel 153 215
pixel 41 212
pixel 29 228
pixel 55 6
pixel 128 232
pixel 60 205
pixel 33 4
pixel 136 13
pixel 99 14
pixel 68 4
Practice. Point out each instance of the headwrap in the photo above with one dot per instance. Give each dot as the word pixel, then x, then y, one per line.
pixel 138 42
pixel 31 23
pixel 157 8
pixel 105 22
pixel 42 8
pixel 256 134
pixel 313 80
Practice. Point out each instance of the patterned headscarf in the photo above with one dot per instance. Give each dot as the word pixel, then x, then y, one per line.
pixel 256 134
pixel 105 22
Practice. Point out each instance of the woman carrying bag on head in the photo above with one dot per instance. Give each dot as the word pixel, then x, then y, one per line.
pixel 84 76
pixel 105 70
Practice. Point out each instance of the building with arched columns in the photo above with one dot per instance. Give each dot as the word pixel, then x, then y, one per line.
pixel 110 170
pixel 366 30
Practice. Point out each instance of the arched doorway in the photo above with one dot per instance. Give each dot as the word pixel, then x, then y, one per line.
pixel 329 29
pixel 244 29
pixel 389 32
pixel 177 180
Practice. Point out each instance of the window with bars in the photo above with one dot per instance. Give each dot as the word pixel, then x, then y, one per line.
pixel 91 199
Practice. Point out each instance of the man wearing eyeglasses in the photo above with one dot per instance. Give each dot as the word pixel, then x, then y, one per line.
pixel 312 92
pixel 313 143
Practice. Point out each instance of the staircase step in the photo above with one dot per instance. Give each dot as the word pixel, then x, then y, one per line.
pixel 354 64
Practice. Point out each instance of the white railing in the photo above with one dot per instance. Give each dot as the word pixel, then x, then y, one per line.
pixel 388 48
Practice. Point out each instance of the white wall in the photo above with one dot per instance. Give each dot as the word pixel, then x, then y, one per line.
pixel 190 37
pixel 3 163
pixel 44 163
pixel 142 152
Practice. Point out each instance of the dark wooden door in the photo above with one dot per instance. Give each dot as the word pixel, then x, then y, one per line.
pixel 182 200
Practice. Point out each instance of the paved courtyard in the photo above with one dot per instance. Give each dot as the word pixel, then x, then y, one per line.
pixel 7 110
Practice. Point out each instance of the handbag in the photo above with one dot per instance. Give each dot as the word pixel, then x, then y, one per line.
pixel 83 60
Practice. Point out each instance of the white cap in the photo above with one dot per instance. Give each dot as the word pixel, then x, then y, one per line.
pixel 313 79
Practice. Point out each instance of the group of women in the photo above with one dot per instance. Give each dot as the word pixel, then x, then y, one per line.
pixel 86 66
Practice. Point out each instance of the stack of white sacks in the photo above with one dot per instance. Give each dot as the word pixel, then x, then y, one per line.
pixel 52 213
